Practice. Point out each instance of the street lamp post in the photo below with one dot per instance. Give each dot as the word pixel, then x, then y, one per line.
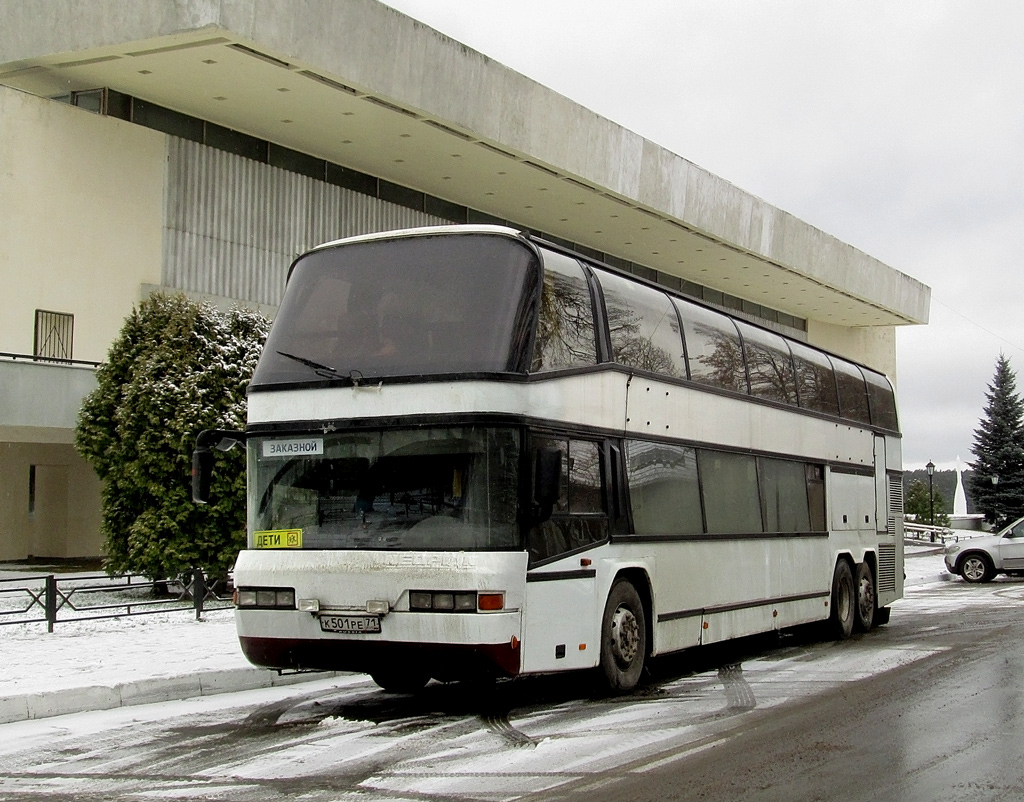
pixel 930 467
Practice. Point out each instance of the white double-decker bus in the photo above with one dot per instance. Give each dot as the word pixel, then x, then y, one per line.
pixel 474 453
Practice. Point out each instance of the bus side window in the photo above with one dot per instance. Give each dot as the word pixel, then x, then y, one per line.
pixel 713 347
pixel 565 326
pixel 769 364
pixel 853 391
pixel 579 518
pixel 643 326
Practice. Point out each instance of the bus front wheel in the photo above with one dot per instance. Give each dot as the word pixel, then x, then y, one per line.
pixel 843 602
pixel 623 638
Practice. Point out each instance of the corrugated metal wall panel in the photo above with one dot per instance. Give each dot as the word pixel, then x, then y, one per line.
pixel 233 225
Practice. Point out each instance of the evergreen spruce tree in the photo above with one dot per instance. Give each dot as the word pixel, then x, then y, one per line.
pixel 997 485
pixel 176 368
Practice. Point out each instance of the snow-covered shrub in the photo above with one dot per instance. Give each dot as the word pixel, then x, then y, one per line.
pixel 176 368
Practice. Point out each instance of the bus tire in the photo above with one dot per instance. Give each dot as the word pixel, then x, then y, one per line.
pixel 865 582
pixel 399 681
pixel 843 602
pixel 623 638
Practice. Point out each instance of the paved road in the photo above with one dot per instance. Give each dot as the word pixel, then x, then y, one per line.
pixel 927 708
pixel 947 727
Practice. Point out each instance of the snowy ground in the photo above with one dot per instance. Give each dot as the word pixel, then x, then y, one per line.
pixel 115 651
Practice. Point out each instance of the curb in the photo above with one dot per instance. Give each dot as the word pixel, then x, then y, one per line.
pixel 29 706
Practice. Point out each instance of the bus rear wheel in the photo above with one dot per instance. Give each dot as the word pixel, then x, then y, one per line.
pixel 865 597
pixel 843 602
pixel 623 638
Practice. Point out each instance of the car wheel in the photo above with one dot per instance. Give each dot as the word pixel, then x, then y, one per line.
pixel 976 568
pixel 865 582
pixel 623 638
pixel 844 602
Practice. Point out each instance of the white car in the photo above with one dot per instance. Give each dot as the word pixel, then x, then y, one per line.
pixel 979 559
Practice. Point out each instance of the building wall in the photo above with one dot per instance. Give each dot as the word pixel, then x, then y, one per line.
pixel 81 221
pixel 61 518
pixel 234 225
pixel 81 212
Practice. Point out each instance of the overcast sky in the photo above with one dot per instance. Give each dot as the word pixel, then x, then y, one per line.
pixel 897 127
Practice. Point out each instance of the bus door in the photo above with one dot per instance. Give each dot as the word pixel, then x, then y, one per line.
pixel 562 622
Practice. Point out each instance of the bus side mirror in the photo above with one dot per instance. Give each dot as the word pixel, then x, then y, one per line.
pixel 202 458
pixel 547 482
pixel 202 469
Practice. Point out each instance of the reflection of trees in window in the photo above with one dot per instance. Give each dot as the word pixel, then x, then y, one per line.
pixel 565 328
pixel 816 384
pixel 769 365
pixel 643 327
pixel 721 362
pixel 630 347
pixel 853 395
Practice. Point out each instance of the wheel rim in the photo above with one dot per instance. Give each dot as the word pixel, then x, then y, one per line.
pixel 974 568
pixel 625 636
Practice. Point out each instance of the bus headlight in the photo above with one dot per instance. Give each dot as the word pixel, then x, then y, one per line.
pixel 460 601
pixel 265 598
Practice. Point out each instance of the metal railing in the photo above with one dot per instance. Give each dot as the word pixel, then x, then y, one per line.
pixel 922 532
pixel 52 599
pixel 49 360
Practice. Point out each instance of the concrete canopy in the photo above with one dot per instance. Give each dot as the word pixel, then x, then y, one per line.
pixel 361 85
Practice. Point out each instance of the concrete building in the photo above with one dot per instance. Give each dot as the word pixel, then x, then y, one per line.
pixel 198 146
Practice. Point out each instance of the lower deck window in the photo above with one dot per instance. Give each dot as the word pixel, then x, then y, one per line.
pixel 678 491
pixel 578 519
pixel 731 504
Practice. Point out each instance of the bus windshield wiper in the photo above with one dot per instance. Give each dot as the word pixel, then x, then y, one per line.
pixel 326 371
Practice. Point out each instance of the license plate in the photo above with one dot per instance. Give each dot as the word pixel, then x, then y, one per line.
pixel 349 624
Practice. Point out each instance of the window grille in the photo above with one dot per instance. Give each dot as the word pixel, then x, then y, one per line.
pixel 54 335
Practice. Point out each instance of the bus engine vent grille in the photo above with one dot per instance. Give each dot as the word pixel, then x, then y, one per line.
pixel 896 495
pixel 886 568
pixel 895 504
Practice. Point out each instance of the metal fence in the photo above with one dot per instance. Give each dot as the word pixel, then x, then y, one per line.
pixel 932 534
pixel 64 599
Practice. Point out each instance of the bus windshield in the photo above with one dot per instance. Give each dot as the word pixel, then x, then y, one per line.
pixel 411 306
pixel 445 488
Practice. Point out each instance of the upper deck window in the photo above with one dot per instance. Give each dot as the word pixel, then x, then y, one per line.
pixel 643 326
pixel 882 400
pixel 769 364
pixel 815 379
pixel 853 395
pixel 407 306
pixel 565 329
pixel 713 348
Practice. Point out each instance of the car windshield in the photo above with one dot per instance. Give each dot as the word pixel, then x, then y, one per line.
pixel 447 488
